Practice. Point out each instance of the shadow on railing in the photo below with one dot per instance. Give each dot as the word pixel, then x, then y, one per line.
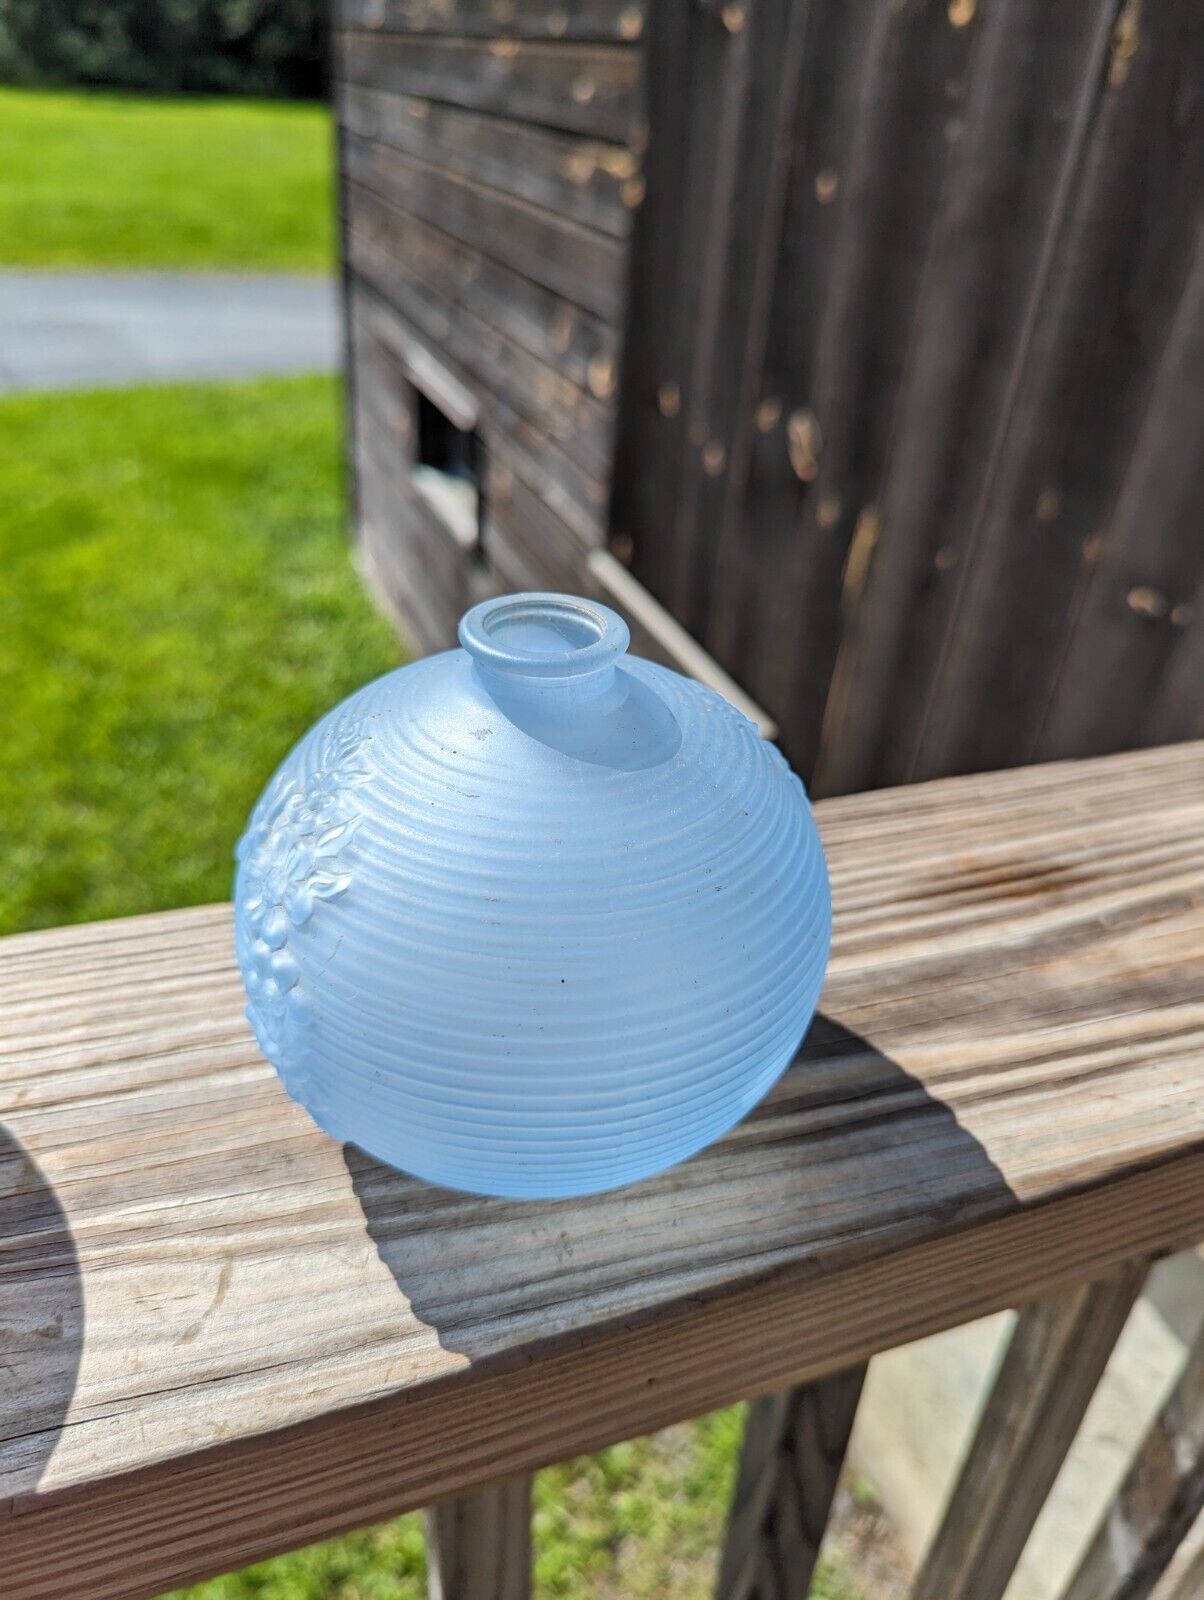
pixel 42 1333
pixel 870 1126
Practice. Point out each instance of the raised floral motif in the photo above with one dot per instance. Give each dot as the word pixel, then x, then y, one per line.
pixel 289 860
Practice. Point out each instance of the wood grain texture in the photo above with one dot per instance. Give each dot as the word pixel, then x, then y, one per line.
pixel 582 266
pixel 906 432
pixel 1117 272
pixel 582 88
pixel 488 178
pixel 565 174
pixel 1159 1500
pixel 1188 1584
pixel 790 1460
pixel 478 1546
pixel 226 1335
pixel 520 19
pixel 1055 1357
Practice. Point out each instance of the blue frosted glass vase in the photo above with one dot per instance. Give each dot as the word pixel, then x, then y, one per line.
pixel 532 917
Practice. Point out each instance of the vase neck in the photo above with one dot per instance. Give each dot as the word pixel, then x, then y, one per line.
pixel 550 663
pixel 546 650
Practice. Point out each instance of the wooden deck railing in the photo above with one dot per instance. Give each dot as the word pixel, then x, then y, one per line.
pixel 222 1334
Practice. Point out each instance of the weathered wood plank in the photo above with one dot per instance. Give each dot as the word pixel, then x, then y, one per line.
pixel 514 436
pixel 921 515
pixel 479 1545
pixel 594 20
pixel 1189 1584
pixel 1117 272
pixel 1018 133
pixel 1138 595
pixel 284 1339
pixel 563 173
pixel 1055 1358
pixel 1159 1500
pixel 584 267
pixel 570 342
pixel 581 88
pixel 793 1450
pixel 863 182
pixel 655 340
pixel 500 369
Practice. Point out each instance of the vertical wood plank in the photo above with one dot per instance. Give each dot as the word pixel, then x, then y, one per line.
pixel 1015 138
pixel 479 1545
pixel 1123 255
pixel 1190 1584
pixel 1156 1505
pixel 1053 1362
pixel 870 155
pixel 1137 599
pixel 794 1446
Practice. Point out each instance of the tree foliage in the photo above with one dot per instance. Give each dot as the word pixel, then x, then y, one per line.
pixel 260 47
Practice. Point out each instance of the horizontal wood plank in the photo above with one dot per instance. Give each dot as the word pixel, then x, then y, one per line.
pixel 513 437
pixel 224 1334
pixel 583 267
pixel 574 177
pixel 598 20
pixel 569 341
pixel 583 88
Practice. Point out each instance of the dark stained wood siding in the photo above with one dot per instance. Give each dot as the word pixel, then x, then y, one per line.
pixel 869 332
pixel 489 174
pixel 910 435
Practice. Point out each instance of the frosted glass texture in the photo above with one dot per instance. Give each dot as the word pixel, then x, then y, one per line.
pixel 532 917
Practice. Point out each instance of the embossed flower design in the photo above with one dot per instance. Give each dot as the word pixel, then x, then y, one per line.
pixel 289 860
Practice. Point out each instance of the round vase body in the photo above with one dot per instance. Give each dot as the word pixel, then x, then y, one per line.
pixel 532 918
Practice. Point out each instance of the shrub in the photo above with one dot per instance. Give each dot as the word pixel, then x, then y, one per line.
pixel 260 47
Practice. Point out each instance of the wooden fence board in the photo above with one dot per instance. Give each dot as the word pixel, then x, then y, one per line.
pixel 933 495
pixel 479 1545
pixel 581 88
pixel 515 424
pixel 1139 593
pixel 562 173
pixel 594 20
pixel 584 267
pixel 1159 1500
pixel 793 1450
pixel 568 341
pixel 1119 270
pixel 1019 128
pixel 1055 1357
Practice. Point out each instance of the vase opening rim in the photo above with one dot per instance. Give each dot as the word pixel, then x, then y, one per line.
pixel 544 635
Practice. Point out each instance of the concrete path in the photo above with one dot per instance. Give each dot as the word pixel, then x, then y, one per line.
pixel 69 330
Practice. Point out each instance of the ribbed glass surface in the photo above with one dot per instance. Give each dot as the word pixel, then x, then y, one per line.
pixel 532 918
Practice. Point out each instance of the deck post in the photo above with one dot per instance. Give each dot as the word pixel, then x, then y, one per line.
pixel 479 1545
pixel 1156 1505
pixel 794 1447
pixel 1058 1350
pixel 1190 1582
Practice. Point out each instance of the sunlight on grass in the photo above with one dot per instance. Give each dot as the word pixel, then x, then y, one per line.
pixel 106 180
pixel 179 605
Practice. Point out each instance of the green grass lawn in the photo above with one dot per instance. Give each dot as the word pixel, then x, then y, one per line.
pixel 106 180
pixel 178 606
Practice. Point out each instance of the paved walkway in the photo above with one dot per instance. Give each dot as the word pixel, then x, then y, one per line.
pixel 80 330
